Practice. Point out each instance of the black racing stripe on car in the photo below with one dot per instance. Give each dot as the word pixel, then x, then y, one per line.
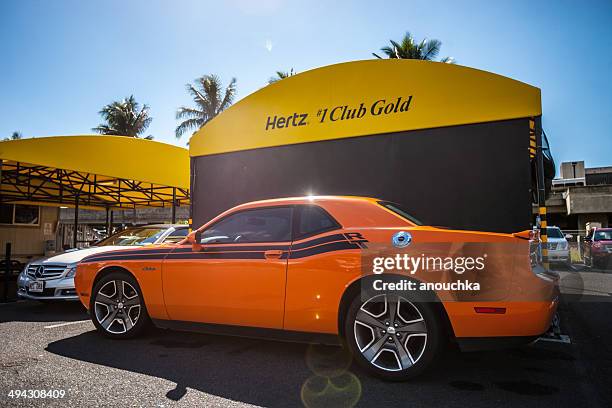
pixel 314 247
pixel 182 249
pixel 244 252
pixel 126 252
pixel 219 255
pixel 318 241
pixel 114 257
pixel 331 247
pixel 244 248
pixel 130 253
pixel 137 251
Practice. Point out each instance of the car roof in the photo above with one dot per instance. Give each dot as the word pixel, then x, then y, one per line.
pixel 305 200
pixel 177 226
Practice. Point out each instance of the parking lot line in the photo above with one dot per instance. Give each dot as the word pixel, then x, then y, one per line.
pixel 53 326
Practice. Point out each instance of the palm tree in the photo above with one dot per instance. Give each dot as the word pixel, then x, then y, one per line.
pixel 15 136
pixel 125 118
pixel 281 75
pixel 210 100
pixel 408 48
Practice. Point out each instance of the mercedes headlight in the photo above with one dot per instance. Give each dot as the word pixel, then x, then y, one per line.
pixel 71 271
pixel 23 275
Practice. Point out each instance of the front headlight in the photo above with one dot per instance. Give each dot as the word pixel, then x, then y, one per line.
pixel 563 245
pixel 23 275
pixel 71 272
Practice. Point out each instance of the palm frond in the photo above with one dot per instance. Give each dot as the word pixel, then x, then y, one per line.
pixel 430 49
pixel 124 118
pixel 389 51
pixel 184 112
pixel 228 98
pixel 209 100
pixel 198 98
pixel 186 125
pixel 408 48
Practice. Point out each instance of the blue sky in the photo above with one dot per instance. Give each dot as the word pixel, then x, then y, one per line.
pixel 61 61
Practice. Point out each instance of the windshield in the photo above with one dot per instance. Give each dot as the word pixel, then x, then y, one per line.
pixel 603 235
pixel 396 208
pixel 134 237
pixel 554 233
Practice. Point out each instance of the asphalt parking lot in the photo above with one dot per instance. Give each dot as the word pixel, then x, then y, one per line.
pixel 54 346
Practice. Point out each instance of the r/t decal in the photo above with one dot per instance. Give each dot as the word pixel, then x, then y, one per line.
pixel 356 238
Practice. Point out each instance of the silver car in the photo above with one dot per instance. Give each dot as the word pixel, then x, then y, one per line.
pixel 52 278
pixel 558 247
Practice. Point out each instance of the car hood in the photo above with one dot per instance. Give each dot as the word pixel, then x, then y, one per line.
pixel 555 239
pixel 74 256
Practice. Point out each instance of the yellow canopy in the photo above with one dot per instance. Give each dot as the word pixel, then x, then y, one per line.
pixel 98 171
pixel 364 98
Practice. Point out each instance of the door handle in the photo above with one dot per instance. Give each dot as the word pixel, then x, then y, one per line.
pixel 273 254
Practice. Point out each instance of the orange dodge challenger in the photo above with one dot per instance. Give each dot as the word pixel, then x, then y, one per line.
pixel 302 269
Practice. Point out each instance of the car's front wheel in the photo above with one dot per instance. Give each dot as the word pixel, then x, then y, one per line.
pixel 117 307
pixel 392 337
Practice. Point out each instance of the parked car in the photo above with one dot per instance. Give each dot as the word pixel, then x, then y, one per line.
pixel 52 278
pixel 558 247
pixel 293 268
pixel 597 248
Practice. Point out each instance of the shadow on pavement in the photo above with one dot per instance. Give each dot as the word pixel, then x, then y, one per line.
pixel 278 374
pixel 33 311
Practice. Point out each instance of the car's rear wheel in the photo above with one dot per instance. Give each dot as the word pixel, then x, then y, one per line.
pixel 117 307
pixel 392 337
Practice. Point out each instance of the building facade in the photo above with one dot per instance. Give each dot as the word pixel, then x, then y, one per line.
pixel 580 197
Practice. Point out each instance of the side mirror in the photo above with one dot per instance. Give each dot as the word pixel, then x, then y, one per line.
pixel 195 238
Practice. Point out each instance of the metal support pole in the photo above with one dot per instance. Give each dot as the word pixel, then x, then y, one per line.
pixel 174 205
pixel 110 231
pixel 7 271
pixel 106 223
pixel 76 222
pixel 541 191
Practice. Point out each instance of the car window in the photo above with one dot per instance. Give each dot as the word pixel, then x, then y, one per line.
pixel 313 220
pixel 133 237
pixel 399 210
pixel 177 235
pixel 554 233
pixel 257 225
pixel 602 236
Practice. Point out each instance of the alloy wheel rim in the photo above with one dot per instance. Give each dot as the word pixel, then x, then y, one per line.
pixel 390 332
pixel 117 306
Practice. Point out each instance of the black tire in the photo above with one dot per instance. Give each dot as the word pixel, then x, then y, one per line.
pixel 433 347
pixel 132 327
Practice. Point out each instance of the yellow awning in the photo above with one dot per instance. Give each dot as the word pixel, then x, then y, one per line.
pixel 98 171
pixel 364 98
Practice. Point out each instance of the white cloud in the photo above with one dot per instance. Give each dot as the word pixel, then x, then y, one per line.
pixel 269 45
